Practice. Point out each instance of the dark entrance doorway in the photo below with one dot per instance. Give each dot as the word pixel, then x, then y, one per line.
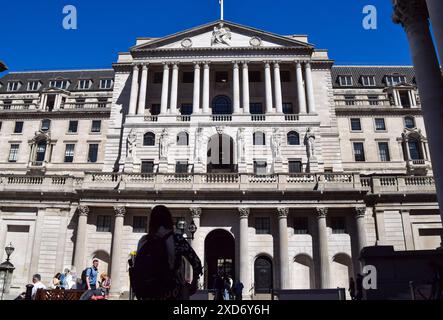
pixel 263 275
pixel 219 256
pixel 221 154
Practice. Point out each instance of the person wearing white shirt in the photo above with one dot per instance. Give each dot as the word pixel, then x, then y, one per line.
pixel 36 280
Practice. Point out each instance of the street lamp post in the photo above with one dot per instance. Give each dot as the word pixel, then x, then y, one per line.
pixel 6 270
pixel 183 228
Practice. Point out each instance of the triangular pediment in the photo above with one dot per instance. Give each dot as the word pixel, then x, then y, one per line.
pixel 221 34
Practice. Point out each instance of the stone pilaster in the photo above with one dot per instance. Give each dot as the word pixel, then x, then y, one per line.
pixel 323 247
pixel 283 247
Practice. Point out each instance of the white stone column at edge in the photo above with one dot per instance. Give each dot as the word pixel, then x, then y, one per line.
pixel 245 76
pixel 134 91
pixel 323 247
pixel 80 239
pixel 429 81
pixel 283 247
pixel 244 249
pixel 143 90
pixel 206 75
pixel 268 88
pixel 310 88
pixel 196 94
pixel 174 89
pixel 165 90
pixel 435 8
pixel 300 89
pixel 117 239
pixel 360 214
pixel 197 244
pixel 278 91
pixel 236 87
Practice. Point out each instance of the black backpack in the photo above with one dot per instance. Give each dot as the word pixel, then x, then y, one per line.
pixel 83 278
pixel 151 277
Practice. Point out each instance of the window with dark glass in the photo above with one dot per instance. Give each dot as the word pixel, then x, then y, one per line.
pixel 409 123
pixel 368 81
pixel 288 108
pixel 104 223
pixel 380 124
pixel 355 124
pixel 345 81
pixel 256 108
pixel 183 139
pixel 96 126
pixel 414 149
pixel 405 99
pixel 13 153
pixel 293 138
pixel 181 167
pixel 186 109
pixel 46 125
pixel 254 76
pixel 263 225
pixel 41 152
pixel 140 224
pixel 383 148
pixel 188 77
pixel 295 166
pixel 18 128
pixel 338 225
pixel 301 225
pixel 93 153
pixel 149 139
pixel 359 152
pixel 221 77
pixel 158 77
pixel 259 138
pixel 147 166
pixel 285 76
pixel 73 126
pixel 69 153
pixel 260 168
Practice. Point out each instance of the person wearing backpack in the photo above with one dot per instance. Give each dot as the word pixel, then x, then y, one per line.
pixel 157 270
pixel 89 276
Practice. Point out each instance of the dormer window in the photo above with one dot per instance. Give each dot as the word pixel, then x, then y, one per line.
pixel 106 83
pixel 345 81
pixel 84 84
pixel 395 80
pixel 13 86
pixel 34 85
pixel 59 84
pixel 368 81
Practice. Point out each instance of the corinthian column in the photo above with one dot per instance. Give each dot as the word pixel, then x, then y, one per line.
pixel 413 16
pixel 80 240
pixel 277 84
pixel 116 254
pixel 196 99
pixel 165 90
pixel 283 242
pixel 198 242
pixel 268 87
pixel 134 91
pixel 301 89
pixel 310 88
pixel 360 213
pixel 206 74
pixel 236 85
pixel 245 77
pixel 323 247
pixel 143 88
pixel 244 249
pixel 174 89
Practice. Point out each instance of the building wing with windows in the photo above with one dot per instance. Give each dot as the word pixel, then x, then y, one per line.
pixel 287 164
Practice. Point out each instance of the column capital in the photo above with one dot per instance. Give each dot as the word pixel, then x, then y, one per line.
pixel 267 63
pixel 135 66
pixel 196 213
pixel 283 212
pixel 235 63
pixel 244 212
pixel 83 210
pixel 360 212
pixel 197 64
pixel 166 65
pixel 276 64
pixel 120 211
pixel 322 212
pixel 145 66
pixel 175 65
pixel 244 63
pixel 408 12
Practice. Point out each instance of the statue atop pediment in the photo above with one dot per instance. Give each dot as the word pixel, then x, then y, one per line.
pixel 221 35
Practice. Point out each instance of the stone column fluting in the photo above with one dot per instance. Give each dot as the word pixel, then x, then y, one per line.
pixel 236 87
pixel 268 87
pixel 206 82
pixel 143 90
pixel 360 215
pixel 245 76
pixel 134 91
pixel 300 89
pixel 196 95
pixel 174 89
pixel 283 247
pixel 244 249
pixel 310 88
pixel 80 240
pixel 278 92
pixel 165 89
pixel 413 16
pixel 117 239
pixel 323 247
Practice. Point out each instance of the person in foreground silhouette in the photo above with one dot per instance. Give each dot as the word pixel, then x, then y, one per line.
pixel 157 270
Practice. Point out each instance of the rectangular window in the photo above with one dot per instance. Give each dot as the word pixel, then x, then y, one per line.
pixel 256 108
pixel 345 81
pixel 355 124
pixel 373 100
pixel 33 85
pixel 93 153
pixel 338 225
pixel 295 166
pixel 301 225
pixel 186 109
pixel 263 225
pixel 380 124
pixel 13 153
pixel 254 76
pixel 188 77
pixel 394 80
pixel 368 81
pixel 13 86
pixel 84 84
pixel 181 167
pixel 106 83
pixel 147 166
pixel 73 126
pixel 221 77
pixel 285 76
pixel 359 152
pixel 383 148
pixel 69 153
pixel 140 224
pixel 18 128
pixel 288 108
pixel 404 99
pixel 59 84
pixel 260 168
pixel 158 77
pixel 96 126
pixel 103 223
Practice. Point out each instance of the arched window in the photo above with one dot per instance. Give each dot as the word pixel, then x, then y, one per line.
pixel 221 105
pixel 149 139
pixel 259 138
pixel 183 139
pixel 410 122
pixel 263 275
pixel 293 138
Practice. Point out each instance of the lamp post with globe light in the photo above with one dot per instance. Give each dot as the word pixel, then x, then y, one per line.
pixel 6 270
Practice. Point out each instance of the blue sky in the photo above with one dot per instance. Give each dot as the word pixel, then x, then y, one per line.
pixel 33 37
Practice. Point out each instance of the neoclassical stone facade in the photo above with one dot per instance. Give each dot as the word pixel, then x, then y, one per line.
pixel 287 164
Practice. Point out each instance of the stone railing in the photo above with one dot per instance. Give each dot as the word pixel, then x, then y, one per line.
pixel 18 107
pixel 151 118
pixel 24 183
pixel 291 117
pixel 85 105
pixel 258 117
pixel 406 184
pixel 221 118
pixel 362 102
